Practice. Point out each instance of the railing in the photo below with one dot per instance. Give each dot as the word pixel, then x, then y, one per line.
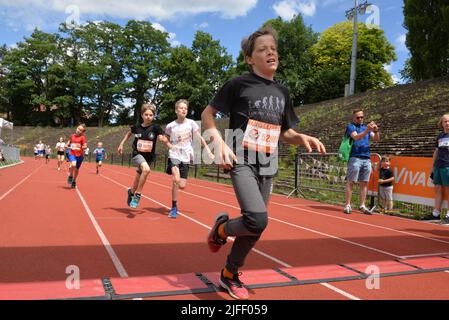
pixel 11 155
pixel 323 178
pixel 308 175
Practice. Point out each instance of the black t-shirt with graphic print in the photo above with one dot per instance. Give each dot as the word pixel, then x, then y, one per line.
pixel 252 97
pixel 148 137
pixel 442 143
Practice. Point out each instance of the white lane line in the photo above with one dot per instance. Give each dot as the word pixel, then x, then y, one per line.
pixel 363 223
pixel 425 255
pixel 335 217
pixel 19 183
pixel 115 260
pixel 285 222
pixel 282 263
pixel 294 225
pixel 344 293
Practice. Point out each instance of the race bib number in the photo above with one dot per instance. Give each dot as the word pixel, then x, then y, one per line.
pixel 75 146
pixel 443 143
pixel 261 136
pixel 144 145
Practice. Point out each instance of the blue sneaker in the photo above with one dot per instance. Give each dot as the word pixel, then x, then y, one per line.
pixel 135 201
pixel 173 213
pixel 130 197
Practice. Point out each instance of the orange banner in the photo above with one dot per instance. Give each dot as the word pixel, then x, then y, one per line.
pixel 412 181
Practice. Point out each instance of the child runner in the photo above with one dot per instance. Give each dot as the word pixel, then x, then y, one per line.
pixel 440 168
pixel 36 153
pixel 60 147
pixel 261 112
pixel 47 153
pixel 40 149
pixel 144 148
pixel 77 143
pixel 181 133
pixel 99 153
pixel 386 179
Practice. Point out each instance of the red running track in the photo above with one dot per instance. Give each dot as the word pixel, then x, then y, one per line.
pixel 47 227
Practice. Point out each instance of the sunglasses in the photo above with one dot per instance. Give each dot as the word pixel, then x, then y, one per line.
pixel 359 117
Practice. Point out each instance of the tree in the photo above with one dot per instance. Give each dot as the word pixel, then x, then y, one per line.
pixel 4 103
pixel 104 44
pixel 332 61
pixel 32 70
pixel 427 39
pixel 294 42
pixel 195 74
pixel 145 50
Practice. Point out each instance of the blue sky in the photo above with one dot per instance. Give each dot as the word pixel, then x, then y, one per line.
pixel 226 20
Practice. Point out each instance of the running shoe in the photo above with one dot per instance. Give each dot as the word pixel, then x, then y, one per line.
pixel 446 219
pixel 234 286
pixel 213 240
pixel 73 184
pixel 363 209
pixel 436 214
pixel 130 196
pixel 69 180
pixel 173 212
pixel 135 201
pixel 347 209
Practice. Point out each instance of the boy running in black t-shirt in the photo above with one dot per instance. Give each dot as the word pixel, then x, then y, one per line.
pixel 144 148
pixel 261 113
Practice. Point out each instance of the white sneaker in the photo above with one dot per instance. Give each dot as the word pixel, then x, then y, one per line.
pixel 436 214
pixel 364 209
pixel 347 209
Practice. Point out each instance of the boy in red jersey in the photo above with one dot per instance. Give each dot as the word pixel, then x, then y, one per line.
pixel 77 143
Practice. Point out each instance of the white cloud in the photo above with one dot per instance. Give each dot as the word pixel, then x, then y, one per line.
pixel 202 25
pixel 395 78
pixel 137 9
pixel 171 35
pixel 287 9
pixel 400 41
pixel 388 67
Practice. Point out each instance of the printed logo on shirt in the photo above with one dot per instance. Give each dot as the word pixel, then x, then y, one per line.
pixel 144 145
pixel 268 109
pixel 443 143
pixel 75 146
pixel 183 136
pixel 260 136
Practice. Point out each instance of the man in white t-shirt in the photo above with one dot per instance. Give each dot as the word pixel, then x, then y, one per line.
pixel 181 133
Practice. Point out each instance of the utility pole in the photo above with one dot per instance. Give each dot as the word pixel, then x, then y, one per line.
pixel 352 15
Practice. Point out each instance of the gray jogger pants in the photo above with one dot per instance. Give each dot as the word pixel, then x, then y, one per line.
pixel 252 193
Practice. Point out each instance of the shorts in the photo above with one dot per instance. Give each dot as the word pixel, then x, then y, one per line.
pixel 78 160
pixel 183 167
pixel 441 176
pixel 47 156
pixel 98 159
pixel 60 153
pixel 137 160
pixel 386 193
pixel 40 152
pixel 359 169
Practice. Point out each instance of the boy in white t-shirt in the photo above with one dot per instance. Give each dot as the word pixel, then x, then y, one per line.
pixel 181 133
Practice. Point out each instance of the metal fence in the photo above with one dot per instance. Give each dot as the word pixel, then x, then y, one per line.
pixel 308 175
pixel 323 178
pixel 10 154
